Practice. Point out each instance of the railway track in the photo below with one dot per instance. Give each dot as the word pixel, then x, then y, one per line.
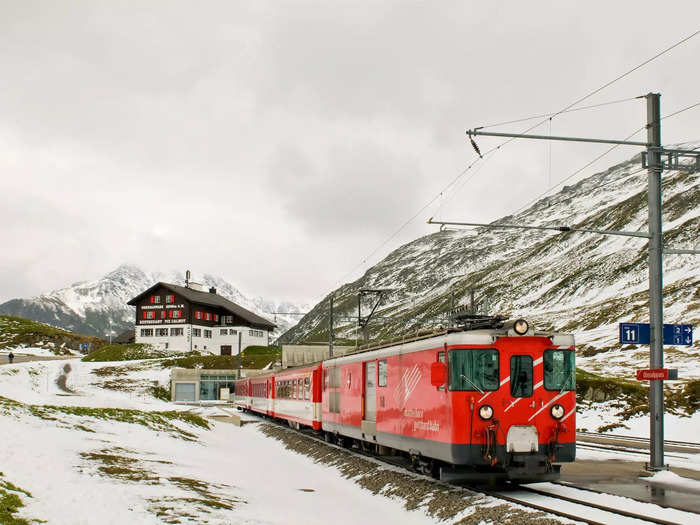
pixel 637 442
pixel 584 510
pixel 627 450
pixel 554 498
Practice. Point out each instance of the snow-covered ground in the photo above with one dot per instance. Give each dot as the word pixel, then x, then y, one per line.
pixel 67 470
pixel 38 351
pixel 84 468
pixel 676 428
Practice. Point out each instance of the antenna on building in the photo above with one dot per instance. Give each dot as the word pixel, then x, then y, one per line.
pixel 187 278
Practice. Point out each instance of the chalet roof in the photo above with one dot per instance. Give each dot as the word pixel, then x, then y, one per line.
pixel 209 299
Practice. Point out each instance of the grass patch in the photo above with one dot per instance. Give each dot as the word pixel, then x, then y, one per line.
pixel 161 421
pixel 159 392
pixel 114 371
pixel 120 467
pixel 11 503
pixel 15 331
pixel 253 357
pixel 127 353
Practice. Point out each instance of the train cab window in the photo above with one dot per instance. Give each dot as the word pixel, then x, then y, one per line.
pixel 521 376
pixel 559 370
pixel 474 369
pixel 382 373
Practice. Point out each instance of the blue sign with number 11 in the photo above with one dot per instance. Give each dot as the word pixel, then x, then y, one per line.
pixel 640 334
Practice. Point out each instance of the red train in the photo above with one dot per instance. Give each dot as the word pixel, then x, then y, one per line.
pixel 492 402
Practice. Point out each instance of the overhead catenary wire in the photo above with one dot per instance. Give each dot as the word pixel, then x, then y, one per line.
pixel 499 146
pixel 597 158
pixel 552 115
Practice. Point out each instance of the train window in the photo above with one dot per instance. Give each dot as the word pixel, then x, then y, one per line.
pixel 441 359
pixel 307 388
pixel 559 370
pixel 382 373
pixel 474 369
pixel 521 376
pixel 334 377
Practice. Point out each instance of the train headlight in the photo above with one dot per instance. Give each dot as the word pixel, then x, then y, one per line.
pixel 485 412
pixel 521 326
pixel 557 411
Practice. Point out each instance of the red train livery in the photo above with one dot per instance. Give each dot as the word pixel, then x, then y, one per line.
pixel 463 404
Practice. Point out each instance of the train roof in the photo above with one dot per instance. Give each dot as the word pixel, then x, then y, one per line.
pixel 449 337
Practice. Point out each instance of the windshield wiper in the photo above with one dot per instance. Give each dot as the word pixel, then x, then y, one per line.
pixel 565 383
pixel 470 382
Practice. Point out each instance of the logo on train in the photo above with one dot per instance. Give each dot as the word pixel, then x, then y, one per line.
pixel 409 382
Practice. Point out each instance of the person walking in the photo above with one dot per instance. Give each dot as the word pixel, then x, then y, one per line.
pixel 10 357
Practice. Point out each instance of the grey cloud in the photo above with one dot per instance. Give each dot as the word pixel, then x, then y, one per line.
pixel 299 132
pixel 355 189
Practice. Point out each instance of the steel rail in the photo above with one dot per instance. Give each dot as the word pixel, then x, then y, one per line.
pixel 690 444
pixel 571 485
pixel 626 450
pixel 604 508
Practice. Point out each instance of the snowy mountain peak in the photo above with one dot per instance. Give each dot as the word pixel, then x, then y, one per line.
pixel 92 307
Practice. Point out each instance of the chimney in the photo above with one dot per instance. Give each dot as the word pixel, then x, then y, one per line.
pixel 187 279
pixel 212 290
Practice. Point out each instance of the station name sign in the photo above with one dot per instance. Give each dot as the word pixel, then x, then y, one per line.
pixel 657 374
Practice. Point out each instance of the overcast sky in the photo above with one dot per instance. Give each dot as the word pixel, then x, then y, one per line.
pixel 277 144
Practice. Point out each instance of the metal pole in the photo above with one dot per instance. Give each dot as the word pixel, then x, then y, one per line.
pixel 656 305
pixel 240 334
pixel 476 131
pixel 330 328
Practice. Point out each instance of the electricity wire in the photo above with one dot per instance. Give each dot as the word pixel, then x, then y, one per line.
pixel 499 146
pixel 552 115
pixel 596 159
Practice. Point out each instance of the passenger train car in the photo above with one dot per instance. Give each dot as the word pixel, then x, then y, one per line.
pixel 494 402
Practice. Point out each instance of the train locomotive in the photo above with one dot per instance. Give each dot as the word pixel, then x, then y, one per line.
pixel 490 400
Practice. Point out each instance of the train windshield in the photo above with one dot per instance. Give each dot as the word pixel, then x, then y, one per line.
pixel 474 369
pixel 559 370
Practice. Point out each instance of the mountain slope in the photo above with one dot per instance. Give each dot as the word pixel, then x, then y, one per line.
pixel 571 281
pixel 91 307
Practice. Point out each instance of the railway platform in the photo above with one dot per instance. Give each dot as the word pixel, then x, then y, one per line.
pixel 629 479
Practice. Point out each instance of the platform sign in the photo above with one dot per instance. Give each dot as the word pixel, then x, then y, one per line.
pixel 640 334
pixel 657 374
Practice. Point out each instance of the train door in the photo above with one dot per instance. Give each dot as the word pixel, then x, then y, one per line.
pixel 370 391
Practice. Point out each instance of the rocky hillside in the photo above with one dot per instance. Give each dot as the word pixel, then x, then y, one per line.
pixel 578 282
pixel 91 307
